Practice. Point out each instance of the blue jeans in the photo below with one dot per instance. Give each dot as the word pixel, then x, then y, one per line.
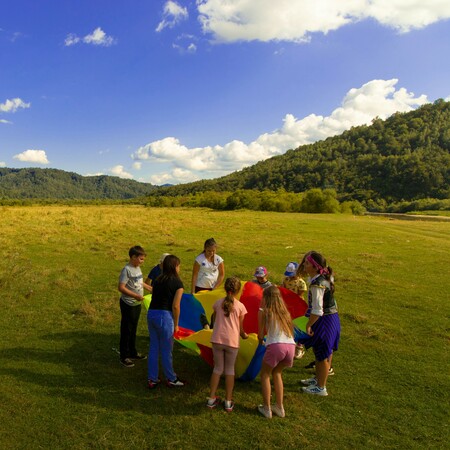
pixel 160 329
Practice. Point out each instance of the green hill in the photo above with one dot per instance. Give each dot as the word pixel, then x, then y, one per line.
pixel 58 184
pixel 406 157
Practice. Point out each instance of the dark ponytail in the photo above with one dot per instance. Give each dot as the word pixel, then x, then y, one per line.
pixel 232 287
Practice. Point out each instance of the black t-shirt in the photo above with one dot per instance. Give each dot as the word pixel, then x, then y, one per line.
pixel 163 293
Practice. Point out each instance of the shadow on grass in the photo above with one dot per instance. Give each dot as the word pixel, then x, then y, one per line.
pixel 82 367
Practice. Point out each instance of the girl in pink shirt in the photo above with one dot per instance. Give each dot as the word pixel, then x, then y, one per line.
pixel 228 320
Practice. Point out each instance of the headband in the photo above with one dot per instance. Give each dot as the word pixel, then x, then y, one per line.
pixel 321 270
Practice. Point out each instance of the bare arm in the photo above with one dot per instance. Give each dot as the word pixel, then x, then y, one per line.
pixel 148 286
pixel 261 324
pixel 221 275
pixel 195 270
pixel 243 334
pixel 124 290
pixel 176 308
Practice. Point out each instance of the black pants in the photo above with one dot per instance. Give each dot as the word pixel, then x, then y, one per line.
pixel 128 329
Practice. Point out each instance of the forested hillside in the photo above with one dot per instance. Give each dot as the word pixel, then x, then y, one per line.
pixel 406 157
pixel 58 184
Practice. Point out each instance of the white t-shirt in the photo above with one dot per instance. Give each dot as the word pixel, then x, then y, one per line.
pixel 208 271
pixel 132 278
pixel 277 336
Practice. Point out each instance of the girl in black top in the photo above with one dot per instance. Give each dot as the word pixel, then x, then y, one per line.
pixel 162 320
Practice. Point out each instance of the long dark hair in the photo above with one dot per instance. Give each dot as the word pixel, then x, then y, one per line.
pixel 232 287
pixel 169 269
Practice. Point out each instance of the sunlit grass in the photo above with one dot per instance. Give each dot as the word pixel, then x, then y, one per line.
pixel 62 386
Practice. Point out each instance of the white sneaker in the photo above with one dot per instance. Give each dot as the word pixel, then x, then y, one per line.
pixel 266 412
pixel 309 382
pixel 299 352
pixel 278 411
pixel 316 390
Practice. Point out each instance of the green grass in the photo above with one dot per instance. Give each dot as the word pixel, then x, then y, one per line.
pixel 61 384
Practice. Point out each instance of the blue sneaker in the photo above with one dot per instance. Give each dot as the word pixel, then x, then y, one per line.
pixel 316 390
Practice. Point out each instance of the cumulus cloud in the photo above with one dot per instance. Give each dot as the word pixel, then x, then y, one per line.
pixel 173 14
pixel 2 164
pixel 32 156
pixel 12 105
pixel 287 20
pixel 97 37
pixel 119 171
pixel 377 98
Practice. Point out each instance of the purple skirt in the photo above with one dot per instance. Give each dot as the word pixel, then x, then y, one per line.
pixel 327 332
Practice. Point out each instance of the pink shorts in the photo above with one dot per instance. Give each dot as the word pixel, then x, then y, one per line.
pixel 279 353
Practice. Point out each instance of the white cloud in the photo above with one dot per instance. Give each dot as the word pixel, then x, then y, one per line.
pixel 288 20
pixel 119 171
pixel 71 39
pixel 32 156
pixel 377 98
pixel 137 165
pixel 2 164
pixel 5 121
pixel 97 37
pixel 191 48
pixel 12 105
pixel 173 14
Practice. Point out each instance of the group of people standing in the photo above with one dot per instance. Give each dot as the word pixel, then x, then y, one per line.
pixel 275 327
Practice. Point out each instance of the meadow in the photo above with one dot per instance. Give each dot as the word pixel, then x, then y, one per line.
pixel 62 386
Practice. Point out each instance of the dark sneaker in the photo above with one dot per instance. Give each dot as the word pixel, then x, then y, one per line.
pixel 311 365
pixel 127 362
pixel 176 383
pixel 152 384
pixel 213 402
pixel 139 357
pixel 228 406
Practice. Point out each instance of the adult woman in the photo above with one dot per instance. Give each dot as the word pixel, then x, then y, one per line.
pixel 162 320
pixel 208 271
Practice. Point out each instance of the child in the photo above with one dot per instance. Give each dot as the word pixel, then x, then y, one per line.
pixel 131 286
pixel 162 321
pixel 261 277
pixel 275 320
pixel 156 271
pixel 228 317
pixel 295 283
pixel 323 325
pixel 208 271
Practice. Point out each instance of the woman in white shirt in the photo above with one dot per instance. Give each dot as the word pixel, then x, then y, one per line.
pixel 208 271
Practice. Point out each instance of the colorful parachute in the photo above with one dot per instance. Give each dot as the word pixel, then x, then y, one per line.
pixel 192 335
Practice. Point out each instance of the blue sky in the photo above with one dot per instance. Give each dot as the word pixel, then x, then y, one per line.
pixel 176 91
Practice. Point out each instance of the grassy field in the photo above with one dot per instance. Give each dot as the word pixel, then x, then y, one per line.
pixel 63 388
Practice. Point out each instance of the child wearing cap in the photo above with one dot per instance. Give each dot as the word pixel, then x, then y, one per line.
pixel 293 281
pixel 261 277
pixel 297 284
pixel 156 271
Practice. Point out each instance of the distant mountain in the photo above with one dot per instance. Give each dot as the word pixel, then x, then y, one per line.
pixel 58 184
pixel 405 157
